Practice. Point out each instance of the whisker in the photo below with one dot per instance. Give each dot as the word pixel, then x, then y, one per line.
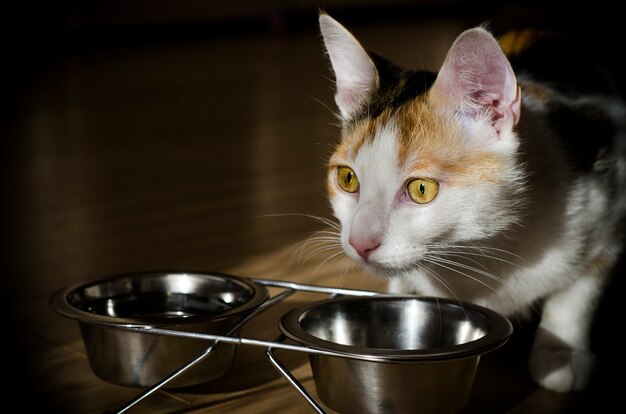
pixel 325 240
pixel 486 256
pixel 441 253
pixel 431 273
pixel 429 260
pixel 322 248
pixel 470 268
pixel 440 280
pixel 332 256
pixel 346 265
pixel 315 247
pixel 477 248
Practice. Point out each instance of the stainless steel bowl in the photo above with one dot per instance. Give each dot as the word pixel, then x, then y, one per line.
pixel 196 302
pixel 399 354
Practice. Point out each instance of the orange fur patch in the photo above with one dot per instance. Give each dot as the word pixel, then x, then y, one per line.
pixel 516 42
pixel 331 190
pixel 599 265
pixel 538 92
pixel 432 143
pixel 355 136
pixel 429 144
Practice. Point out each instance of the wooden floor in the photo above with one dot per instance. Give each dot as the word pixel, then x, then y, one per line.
pixel 196 154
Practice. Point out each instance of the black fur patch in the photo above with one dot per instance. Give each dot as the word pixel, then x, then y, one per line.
pixel 555 60
pixel 587 134
pixel 397 86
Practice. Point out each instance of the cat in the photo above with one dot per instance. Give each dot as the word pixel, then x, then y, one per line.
pixel 494 181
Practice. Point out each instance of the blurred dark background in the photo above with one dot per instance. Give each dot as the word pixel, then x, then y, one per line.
pixel 38 33
pixel 100 188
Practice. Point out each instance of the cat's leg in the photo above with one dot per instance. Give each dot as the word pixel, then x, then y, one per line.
pixel 414 283
pixel 402 286
pixel 561 359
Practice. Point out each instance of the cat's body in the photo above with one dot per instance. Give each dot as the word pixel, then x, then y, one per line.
pixel 464 184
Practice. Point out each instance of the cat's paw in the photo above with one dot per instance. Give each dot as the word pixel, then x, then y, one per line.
pixel 561 369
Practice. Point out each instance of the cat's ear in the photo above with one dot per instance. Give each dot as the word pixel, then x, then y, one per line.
pixel 476 81
pixel 355 73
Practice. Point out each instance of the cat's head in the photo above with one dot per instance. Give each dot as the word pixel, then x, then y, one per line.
pixel 425 159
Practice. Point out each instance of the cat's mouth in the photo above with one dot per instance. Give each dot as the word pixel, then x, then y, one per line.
pixel 385 261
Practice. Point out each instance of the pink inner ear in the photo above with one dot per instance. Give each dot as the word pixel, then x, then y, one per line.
pixel 476 78
pixel 350 99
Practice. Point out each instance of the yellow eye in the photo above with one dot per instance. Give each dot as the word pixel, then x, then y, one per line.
pixel 422 190
pixel 347 179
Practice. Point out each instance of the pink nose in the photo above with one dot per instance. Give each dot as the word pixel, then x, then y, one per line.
pixel 364 247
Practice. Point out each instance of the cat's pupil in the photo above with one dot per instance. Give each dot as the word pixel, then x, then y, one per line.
pixel 349 177
pixel 422 188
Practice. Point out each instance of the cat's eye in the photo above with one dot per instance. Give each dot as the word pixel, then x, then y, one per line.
pixel 347 179
pixel 422 190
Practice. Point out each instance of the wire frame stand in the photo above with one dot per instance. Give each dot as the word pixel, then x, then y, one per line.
pixel 289 289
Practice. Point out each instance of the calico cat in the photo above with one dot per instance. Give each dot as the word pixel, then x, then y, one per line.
pixel 487 182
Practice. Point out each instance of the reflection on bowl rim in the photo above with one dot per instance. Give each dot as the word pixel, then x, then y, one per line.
pixel 60 301
pixel 499 333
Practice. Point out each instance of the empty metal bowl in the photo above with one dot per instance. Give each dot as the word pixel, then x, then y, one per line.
pixel 196 302
pixel 398 354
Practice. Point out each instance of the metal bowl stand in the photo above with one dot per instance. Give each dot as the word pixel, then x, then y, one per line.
pixel 289 289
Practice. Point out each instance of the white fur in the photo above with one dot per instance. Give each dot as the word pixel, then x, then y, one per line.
pixel 355 73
